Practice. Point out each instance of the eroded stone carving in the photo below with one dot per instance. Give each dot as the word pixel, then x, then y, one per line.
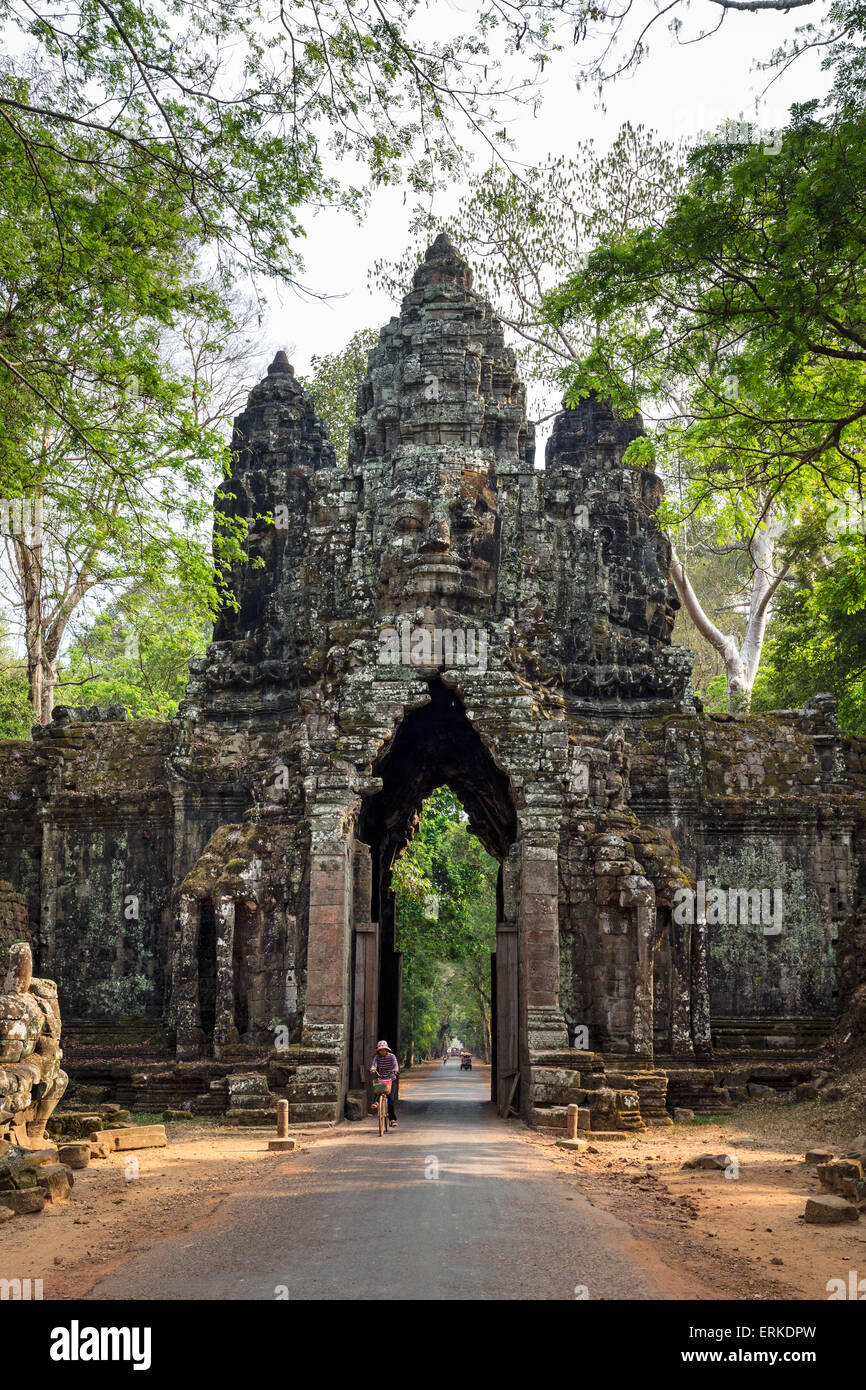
pixel 31 1080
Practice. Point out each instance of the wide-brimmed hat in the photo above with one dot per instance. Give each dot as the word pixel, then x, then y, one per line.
pixel 382 1043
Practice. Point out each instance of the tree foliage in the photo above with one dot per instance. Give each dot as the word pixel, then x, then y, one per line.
pixel 16 716
pixel 751 294
pixel 740 320
pixel 245 113
pixel 119 366
pixel 136 652
pixel 333 384
pixel 445 888
pixel 818 641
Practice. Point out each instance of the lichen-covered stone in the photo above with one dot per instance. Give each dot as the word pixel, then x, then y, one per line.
pixel 31 1079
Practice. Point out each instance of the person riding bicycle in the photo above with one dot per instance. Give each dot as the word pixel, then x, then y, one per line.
pixel 385 1068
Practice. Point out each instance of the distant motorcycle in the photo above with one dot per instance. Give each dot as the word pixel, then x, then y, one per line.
pixel 465 1063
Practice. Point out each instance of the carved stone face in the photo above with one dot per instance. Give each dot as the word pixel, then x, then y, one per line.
pixel 441 545
pixel 21 1019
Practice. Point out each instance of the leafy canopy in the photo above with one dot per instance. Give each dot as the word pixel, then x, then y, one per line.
pixel 751 295
pixel 445 888
pixel 333 385
pixel 245 112
pixel 136 652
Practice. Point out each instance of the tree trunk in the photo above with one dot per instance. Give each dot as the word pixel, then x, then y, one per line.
pixel 741 661
pixel 28 548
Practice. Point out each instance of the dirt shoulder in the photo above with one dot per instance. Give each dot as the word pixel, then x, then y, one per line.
pixel 746 1232
pixel 119 1206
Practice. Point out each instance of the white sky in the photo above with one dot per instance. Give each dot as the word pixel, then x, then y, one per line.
pixel 677 91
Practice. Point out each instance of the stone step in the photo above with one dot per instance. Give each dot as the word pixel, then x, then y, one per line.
pixel 252 1118
pixel 786 1036
pixel 695 1088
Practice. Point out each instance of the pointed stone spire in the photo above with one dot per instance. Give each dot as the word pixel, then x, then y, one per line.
pixel 441 374
pixel 281 366
pixel 442 265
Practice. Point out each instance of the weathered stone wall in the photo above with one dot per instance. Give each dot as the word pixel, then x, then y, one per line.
pixel 23 781
pixel 92 856
pixel 760 802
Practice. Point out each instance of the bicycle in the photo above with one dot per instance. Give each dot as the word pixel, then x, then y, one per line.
pixel 381 1089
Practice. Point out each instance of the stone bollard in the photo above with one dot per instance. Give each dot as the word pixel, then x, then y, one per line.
pixel 282 1143
pixel 571 1141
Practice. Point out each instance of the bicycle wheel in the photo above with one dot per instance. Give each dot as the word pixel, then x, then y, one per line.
pixel 383 1115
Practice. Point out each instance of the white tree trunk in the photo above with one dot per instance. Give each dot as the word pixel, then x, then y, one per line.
pixel 741 660
pixel 27 547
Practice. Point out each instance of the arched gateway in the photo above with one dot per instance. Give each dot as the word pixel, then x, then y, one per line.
pixel 439 610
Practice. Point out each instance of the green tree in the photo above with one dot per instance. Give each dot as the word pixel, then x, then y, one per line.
pixel 136 652
pixel 247 113
pixel 333 384
pixel 818 640
pixel 445 888
pixel 750 299
pixel 115 385
pixel 16 716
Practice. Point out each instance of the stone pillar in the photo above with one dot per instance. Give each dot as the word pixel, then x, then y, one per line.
pixel 642 1026
pixel 506 1022
pixel 318 1089
pixel 328 935
pixel 544 1027
pixel 700 993
pixel 540 924
pixel 224 912
pixel 184 1011
pixel 365 1004
pixel 690 995
pixel 282 1119
pixel 681 990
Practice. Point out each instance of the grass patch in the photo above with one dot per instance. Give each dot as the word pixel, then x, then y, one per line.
pixel 153 1117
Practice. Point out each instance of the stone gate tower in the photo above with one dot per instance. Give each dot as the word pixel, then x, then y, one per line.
pixel 440 610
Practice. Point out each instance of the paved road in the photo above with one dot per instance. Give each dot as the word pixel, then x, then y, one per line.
pixel 357 1216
